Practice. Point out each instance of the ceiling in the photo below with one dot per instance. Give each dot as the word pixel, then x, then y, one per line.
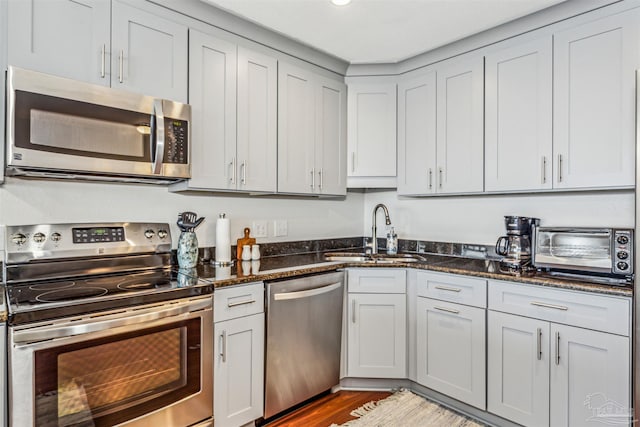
pixel 380 31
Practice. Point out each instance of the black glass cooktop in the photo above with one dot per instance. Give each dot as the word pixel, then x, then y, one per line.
pixel 35 301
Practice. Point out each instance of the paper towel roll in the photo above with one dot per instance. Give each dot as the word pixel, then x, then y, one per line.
pixel 223 239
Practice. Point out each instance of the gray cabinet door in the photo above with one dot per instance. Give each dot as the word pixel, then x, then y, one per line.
pixel 68 38
pixel 149 53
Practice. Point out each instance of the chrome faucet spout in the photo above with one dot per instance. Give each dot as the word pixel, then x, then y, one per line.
pixel 374 227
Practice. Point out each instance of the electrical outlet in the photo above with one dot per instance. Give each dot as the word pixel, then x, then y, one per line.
pixel 280 228
pixel 259 229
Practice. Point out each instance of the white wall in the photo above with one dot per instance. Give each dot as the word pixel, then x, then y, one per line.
pixel 480 219
pixel 41 202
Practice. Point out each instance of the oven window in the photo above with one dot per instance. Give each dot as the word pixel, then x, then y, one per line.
pixel 108 381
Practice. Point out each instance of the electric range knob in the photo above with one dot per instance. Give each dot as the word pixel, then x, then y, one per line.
pixel 622 265
pixel 19 239
pixel 56 237
pixel 623 255
pixel 39 237
pixel 162 233
pixel 149 234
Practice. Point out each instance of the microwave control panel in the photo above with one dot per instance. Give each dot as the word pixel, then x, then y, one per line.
pixel 623 252
pixel 176 141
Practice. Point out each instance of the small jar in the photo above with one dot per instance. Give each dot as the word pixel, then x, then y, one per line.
pixel 246 253
pixel 255 252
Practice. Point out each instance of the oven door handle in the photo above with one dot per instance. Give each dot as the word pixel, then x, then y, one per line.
pixel 94 325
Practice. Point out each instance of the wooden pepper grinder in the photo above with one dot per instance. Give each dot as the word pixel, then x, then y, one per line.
pixel 246 240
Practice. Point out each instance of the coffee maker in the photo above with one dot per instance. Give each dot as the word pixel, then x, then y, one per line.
pixel 515 247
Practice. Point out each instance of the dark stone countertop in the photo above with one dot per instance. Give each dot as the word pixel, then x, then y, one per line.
pixel 280 267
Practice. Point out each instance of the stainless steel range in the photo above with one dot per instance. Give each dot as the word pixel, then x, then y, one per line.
pixel 99 333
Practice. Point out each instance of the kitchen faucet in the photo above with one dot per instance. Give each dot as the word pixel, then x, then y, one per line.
pixel 374 227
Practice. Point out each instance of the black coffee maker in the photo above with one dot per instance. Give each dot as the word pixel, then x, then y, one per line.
pixel 515 247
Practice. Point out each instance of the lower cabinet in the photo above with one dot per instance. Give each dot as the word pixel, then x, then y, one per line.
pixel 377 323
pixel 450 335
pixel 451 350
pixel 238 356
pixel 543 373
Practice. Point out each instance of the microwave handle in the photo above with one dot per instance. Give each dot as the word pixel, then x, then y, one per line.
pixel 157 137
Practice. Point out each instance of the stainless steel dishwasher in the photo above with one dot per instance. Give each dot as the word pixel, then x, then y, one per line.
pixel 304 324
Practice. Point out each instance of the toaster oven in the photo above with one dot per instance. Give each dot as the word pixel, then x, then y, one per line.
pixel 593 251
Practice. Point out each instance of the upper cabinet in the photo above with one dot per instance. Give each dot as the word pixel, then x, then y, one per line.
pixel 311 133
pixel 417 135
pixel 372 133
pixel 518 115
pixel 102 42
pixel 460 123
pixel 232 93
pixel 594 102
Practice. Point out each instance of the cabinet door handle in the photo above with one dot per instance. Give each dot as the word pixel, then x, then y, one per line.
pixel 243 172
pixel 353 161
pixel 103 54
pixel 223 346
pixel 545 305
pixel 559 167
pixel 321 173
pixel 121 66
pixel 233 170
pixel 447 288
pixel 544 169
pixel 557 348
pixel 430 178
pixel 448 310
pixel 235 304
pixel 313 178
pixel 353 311
pixel 539 344
pixel 440 178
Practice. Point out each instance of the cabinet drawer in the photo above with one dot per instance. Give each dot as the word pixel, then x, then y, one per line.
pixel 453 288
pixel 238 301
pixel 377 281
pixel 574 308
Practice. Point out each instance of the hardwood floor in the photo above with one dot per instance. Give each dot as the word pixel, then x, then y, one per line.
pixel 332 408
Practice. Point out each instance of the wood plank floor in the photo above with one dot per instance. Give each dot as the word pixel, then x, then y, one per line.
pixel 332 408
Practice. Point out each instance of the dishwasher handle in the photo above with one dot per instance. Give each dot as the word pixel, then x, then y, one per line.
pixel 283 296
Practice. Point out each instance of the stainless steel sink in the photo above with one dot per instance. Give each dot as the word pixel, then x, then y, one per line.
pixel 373 258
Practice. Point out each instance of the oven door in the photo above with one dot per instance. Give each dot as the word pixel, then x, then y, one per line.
pixel 573 249
pixel 148 366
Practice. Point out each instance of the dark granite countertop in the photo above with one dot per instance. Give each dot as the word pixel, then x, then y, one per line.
pixel 279 267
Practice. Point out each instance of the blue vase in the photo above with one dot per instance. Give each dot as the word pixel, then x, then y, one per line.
pixel 187 250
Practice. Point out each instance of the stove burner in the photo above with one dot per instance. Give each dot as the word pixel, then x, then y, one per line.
pixel 68 294
pixel 135 285
pixel 52 285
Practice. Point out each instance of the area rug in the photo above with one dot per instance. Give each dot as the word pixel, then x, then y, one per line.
pixel 405 409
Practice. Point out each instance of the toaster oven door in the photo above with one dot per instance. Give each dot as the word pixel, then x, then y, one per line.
pixel 574 249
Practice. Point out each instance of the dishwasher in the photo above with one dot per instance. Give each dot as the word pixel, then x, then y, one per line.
pixel 304 330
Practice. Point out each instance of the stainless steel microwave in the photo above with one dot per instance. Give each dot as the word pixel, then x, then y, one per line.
pixel 604 251
pixel 62 128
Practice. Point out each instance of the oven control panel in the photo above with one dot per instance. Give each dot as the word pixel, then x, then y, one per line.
pixel 26 243
pixel 622 252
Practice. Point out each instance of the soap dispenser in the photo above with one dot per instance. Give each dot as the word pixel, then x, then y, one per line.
pixel 392 242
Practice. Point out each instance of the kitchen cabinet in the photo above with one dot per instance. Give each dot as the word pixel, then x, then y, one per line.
pixel 311 133
pixel 238 355
pixel 372 132
pixel 518 116
pixel 460 111
pixel 546 363
pixel 450 341
pixel 376 331
pixel 108 43
pixel 417 135
pixel 232 92
pixel 594 102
